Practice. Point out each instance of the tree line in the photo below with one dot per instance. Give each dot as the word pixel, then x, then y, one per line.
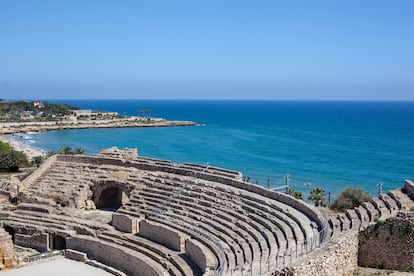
pixel 12 160
pixel 349 198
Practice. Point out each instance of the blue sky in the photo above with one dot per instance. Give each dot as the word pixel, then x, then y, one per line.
pixel 334 50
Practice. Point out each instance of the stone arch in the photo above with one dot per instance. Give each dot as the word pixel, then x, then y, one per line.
pixel 110 195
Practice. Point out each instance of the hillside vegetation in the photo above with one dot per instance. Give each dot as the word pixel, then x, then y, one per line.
pixel 17 111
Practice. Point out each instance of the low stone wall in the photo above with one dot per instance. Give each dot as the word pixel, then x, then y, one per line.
pixel 409 188
pixel 125 223
pixel 39 242
pixel 198 253
pixel 122 259
pixel 335 258
pixel 6 250
pixel 37 173
pixel 389 244
pixel 162 235
pixel 75 255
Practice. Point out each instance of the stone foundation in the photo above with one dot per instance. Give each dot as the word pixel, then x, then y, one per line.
pixel 389 244
pixel 6 250
pixel 335 258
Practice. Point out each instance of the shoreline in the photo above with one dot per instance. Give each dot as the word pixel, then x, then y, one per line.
pixel 7 130
pixel 31 152
pixel 12 128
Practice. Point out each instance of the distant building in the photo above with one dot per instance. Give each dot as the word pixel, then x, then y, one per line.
pixel 38 104
pixel 89 114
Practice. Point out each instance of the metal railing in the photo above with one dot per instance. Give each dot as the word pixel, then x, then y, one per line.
pixel 261 266
pixel 267 264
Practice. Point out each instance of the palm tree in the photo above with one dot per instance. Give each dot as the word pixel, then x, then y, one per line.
pixel 79 151
pixel 295 194
pixel 317 196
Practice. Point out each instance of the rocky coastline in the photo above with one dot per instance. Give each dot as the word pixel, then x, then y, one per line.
pixel 11 128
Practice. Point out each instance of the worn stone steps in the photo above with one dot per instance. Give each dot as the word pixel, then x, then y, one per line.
pixel 161 256
pixel 227 238
pixel 230 258
pixel 203 206
pixel 227 215
pixel 141 264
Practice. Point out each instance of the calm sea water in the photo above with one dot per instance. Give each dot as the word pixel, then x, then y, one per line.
pixel 319 144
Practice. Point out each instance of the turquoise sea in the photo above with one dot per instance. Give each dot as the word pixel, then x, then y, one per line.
pixel 330 145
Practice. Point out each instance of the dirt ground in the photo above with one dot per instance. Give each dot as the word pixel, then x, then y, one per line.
pixel 365 271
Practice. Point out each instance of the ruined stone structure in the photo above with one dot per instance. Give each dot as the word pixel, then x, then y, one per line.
pixel 6 250
pixel 339 254
pixel 389 244
pixel 146 216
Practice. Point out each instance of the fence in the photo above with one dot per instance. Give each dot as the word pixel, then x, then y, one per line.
pixel 264 265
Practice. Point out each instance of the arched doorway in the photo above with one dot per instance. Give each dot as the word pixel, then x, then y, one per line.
pixel 111 199
pixel 58 242
pixel 110 195
pixel 11 231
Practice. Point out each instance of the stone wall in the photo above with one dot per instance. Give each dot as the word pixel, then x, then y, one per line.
pixel 200 255
pixel 162 235
pixel 38 241
pixel 6 250
pixel 122 259
pixel 37 173
pixel 125 223
pixel 389 244
pixel 409 188
pixel 335 258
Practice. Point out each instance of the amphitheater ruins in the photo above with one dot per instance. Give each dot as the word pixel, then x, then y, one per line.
pixel 140 216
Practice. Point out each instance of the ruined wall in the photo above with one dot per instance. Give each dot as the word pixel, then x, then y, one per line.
pixel 122 259
pixel 335 258
pixel 200 255
pixel 38 241
pixel 389 244
pixel 409 188
pixel 37 173
pixel 162 235
pixel 6 250
pixel 125 223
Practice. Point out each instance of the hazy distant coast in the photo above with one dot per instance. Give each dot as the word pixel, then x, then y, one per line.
pixel 16 127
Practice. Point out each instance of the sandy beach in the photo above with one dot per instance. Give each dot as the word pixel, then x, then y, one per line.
pixel 31 152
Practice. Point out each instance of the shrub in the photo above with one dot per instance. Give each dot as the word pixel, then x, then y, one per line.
pixel 10 159
pixel 350 198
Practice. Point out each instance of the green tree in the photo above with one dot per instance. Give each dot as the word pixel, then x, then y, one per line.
pixel 10 159
pixel 350 198
pixel 66 150
pixel 295 194
pixel 317 196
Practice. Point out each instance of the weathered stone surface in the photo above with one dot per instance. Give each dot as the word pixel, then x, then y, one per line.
pixel 200 255
pixel 335 258
pixel 125 223
pixel 389 244
pixel 6 250
pixel 162 235
pixel 232 224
